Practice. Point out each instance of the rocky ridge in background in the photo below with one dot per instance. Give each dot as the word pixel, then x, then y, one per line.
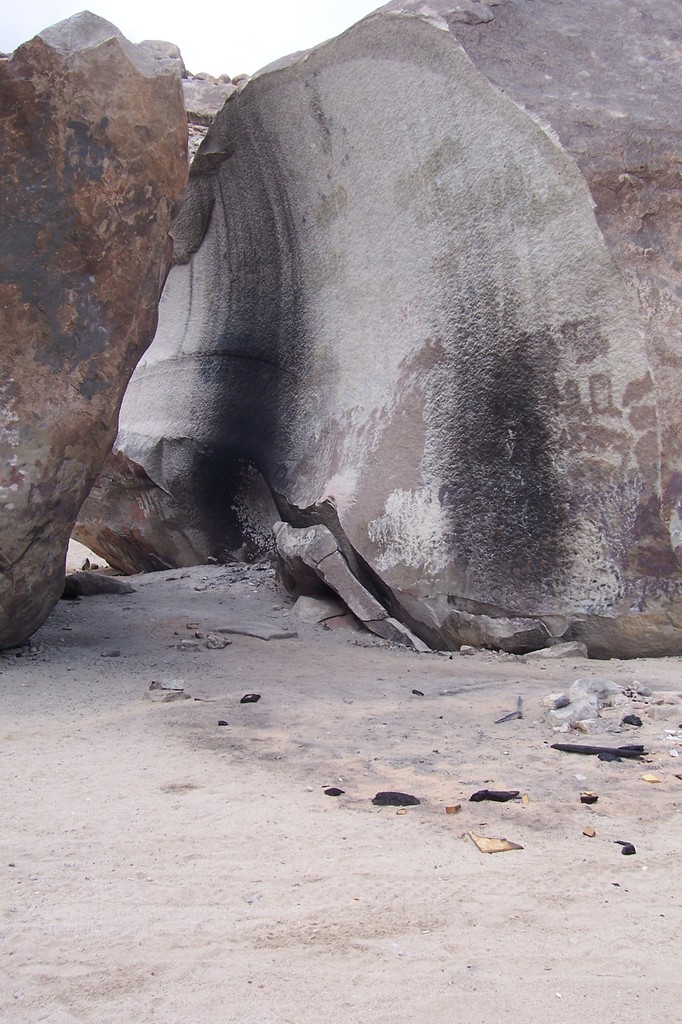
pixel 93 163
pixel 203 94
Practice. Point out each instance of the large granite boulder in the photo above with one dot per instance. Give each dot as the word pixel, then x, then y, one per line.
pixel 427 282
pixel 92 164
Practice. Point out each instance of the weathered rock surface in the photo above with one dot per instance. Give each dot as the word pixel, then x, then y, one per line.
pixel 395 296
pixel 92 163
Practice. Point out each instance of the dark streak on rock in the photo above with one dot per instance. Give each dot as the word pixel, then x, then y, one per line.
pixel 506 502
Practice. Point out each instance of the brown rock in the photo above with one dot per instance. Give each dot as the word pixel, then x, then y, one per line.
pixel 93 163
pixel 135 525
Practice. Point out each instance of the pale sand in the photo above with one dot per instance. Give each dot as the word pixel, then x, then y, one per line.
pixel 170 870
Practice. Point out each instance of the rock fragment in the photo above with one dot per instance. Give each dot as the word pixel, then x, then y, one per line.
pixel 311 558
pixel 317 609
pixel 216 643
pixel 572 649
pixel 391 798
pixel 88 584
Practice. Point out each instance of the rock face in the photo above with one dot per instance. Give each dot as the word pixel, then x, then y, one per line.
pixel 426 282
pixel 92 163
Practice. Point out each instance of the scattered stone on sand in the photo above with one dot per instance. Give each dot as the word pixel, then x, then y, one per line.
pixel 518 713
pixel 489 844
pixel 89 584
pixel 166 692
pixel 111 652
pixel 496 795
pixel 631 751
pixel 188 645
pixel 589 832
pixel 261 630
pixel 217 643
pixel 250 698
pixel 334 791
pixel 627 849
pixel 584 700
pixel 390 798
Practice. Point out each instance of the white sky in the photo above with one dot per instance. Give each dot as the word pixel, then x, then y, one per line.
pixel 231 36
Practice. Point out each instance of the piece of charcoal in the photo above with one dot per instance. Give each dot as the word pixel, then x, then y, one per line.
pixel 418 693
pixel 500 796
pixel 334 791
pixel 588 798
pixel 609 755
pixel 633 750
pixel 250 698
pixel 628 848
pixel 631 720
pixel 222 721
pixel 390 799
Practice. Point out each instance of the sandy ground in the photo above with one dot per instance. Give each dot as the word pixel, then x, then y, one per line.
pixel 158 867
